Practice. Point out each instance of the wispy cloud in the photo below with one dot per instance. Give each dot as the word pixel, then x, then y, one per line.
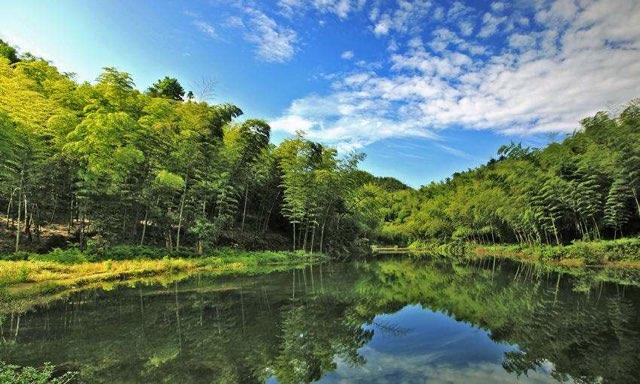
pixel 340 8
pixel 347 55
pixel 274 42
pixel 454 151
pixel 206 28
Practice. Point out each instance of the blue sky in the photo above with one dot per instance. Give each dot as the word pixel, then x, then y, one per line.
pixel 425 88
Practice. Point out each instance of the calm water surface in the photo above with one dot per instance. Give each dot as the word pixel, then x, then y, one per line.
pixel 388 321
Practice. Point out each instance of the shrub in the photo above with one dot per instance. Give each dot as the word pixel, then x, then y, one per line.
pixel 16 256
pixel 64 256
pixel 13 374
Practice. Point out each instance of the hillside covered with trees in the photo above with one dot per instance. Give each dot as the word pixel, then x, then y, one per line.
pixel 586 187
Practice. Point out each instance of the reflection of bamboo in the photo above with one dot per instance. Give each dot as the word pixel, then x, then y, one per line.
pixel 15 337
pixel 178 316
pixel 304 277
pixel 555 296
pixel 392 329
pixel 266 299
pixel 141 310
pixel 218 318
pixel 293 289
pixel 242 308
pixel 493 268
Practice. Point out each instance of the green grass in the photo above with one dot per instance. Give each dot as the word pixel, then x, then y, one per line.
pixel 37 279
pixel 617 253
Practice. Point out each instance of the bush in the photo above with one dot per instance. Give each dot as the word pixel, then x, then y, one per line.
pixel 16 256
pixel 64 256
pixel 13 374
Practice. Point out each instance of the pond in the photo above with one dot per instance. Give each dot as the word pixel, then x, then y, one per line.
pixel 386 321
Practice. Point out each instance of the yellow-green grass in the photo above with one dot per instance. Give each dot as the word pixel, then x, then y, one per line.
pixel 27 283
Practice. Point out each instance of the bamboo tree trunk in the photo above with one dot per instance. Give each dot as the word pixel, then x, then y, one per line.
pixel 268 218
pixel 244 210
pixel 10 205
pixel 144 226
pixel 184 196
pixel 29 220
pixel 595 223
pixel 313 236
pixel 635 198
pixel 82 228
pixel 555 231
pixel 304 242
pixel 294 236
pixel 19 210
pixel 324 222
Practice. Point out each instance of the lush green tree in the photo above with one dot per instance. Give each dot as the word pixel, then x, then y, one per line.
pixel 168 88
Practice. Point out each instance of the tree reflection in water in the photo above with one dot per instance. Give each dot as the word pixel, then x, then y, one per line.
pixel 328 323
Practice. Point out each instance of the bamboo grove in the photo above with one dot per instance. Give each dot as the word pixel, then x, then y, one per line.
pixel 103 163
pixel 583 188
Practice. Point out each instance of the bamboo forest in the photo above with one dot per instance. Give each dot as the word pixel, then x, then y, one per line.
pixel 152 231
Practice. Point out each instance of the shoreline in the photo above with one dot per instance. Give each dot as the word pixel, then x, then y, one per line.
pixel 28 283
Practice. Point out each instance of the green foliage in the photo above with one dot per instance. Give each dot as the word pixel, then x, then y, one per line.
pixel 63 256
pixel 168 88
pixel 13 374
pixel 583 188
pixel 8 52
pixel 114 165
pixel 589 252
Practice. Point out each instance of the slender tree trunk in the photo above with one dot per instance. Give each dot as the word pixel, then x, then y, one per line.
pixel 28 220
pixel 244 210
pixel 304 243
pixel 555 231
pixel 294 236
pixel 180 220
pixel 184 196
pixel 595 223
pixel 313 236
pixel 324 222
pixel 268 218
pixel 19 210
pixel 10 205
pixel 144 226
pixel 82 227
pixel 70 224
pixel 635 198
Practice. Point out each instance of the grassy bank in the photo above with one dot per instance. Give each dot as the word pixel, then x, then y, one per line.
pixel 622 253
pixel 37 279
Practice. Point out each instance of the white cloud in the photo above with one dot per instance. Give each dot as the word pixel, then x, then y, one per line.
pixel 458 10
pixel 274 42
pixel 569 61
pixel 466 27
pixel 498 6
pixel 490 24
pixel 407 18
pixel 235 22
pixel 206 28
pixel 347 55
pixel 340 8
